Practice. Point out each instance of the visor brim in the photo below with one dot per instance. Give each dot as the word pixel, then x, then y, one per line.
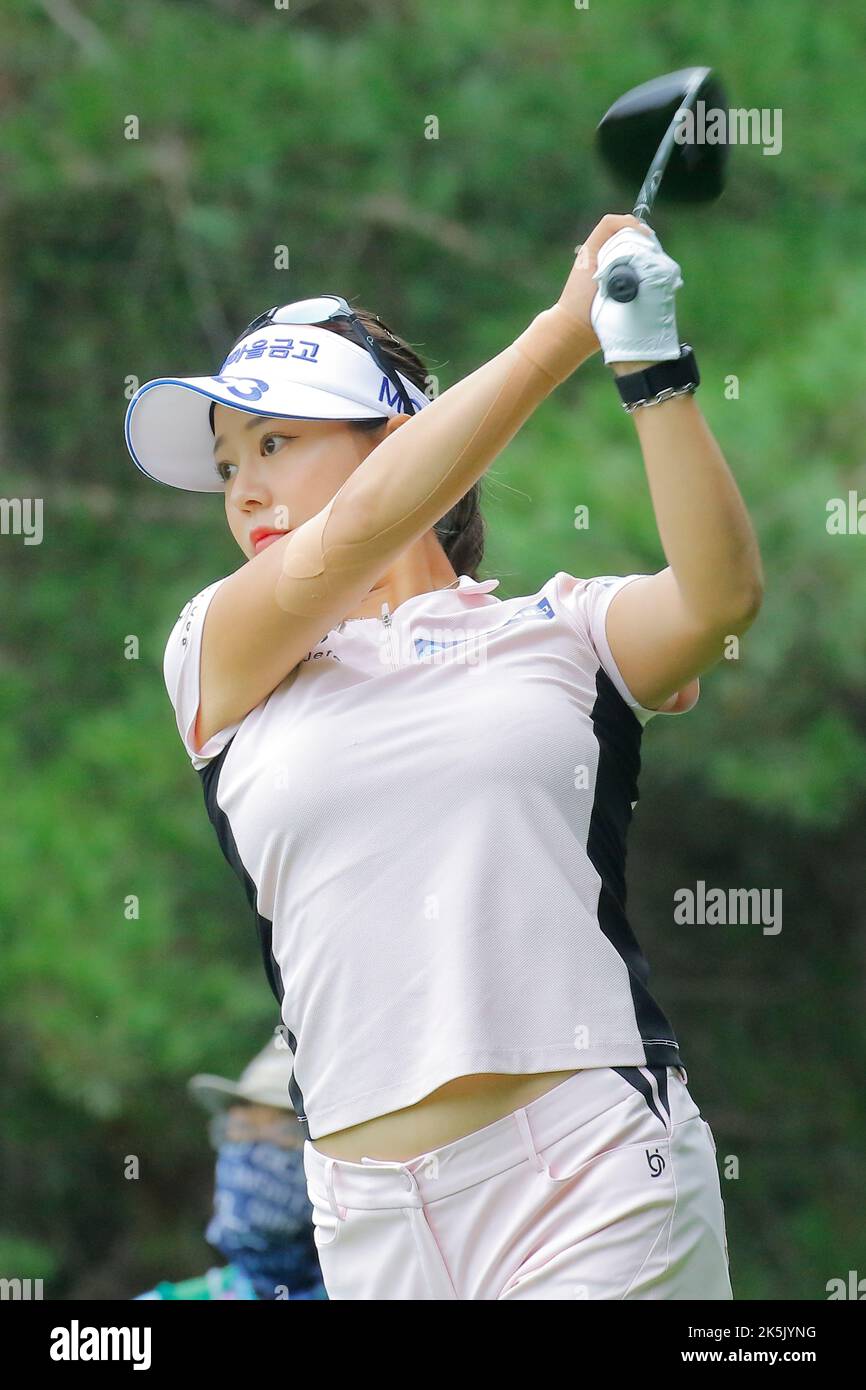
pixel 167 425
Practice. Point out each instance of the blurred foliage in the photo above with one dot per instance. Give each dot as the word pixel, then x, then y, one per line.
pixel 126 259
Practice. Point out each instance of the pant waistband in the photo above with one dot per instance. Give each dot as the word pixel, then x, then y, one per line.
pixel 375 1183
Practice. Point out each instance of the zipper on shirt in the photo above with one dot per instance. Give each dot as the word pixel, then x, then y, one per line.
pixel 386 619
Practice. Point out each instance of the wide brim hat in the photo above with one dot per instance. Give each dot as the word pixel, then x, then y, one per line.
pixel 264 1081
pixel 282 371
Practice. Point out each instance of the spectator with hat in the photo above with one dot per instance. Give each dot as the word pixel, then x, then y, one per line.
pixel 261 1221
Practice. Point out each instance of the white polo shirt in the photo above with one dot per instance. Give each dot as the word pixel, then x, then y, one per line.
pixel 429 818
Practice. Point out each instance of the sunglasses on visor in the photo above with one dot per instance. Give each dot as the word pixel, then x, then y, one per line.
pixel 313 312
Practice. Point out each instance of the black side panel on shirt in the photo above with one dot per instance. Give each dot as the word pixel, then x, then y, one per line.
pixel 209 775
pixel 619 733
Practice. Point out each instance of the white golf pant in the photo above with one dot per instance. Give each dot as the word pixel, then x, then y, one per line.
pixel 605 1187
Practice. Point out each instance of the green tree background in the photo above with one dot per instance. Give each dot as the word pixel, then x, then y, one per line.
pixel 135 258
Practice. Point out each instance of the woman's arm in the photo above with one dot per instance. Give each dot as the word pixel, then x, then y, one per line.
pixel 268 614
pixel 419 471
pixel 665 629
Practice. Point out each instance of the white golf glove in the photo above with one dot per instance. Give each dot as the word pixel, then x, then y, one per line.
pixel 644 329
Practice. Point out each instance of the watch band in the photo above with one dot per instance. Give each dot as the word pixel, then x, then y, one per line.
pixel 661 381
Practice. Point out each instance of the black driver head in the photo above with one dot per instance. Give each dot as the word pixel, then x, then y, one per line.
pixel 630 133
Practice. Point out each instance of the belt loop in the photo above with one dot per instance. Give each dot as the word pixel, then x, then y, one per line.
pixel 402 1168
pixel 529 1143
pixel 341 1212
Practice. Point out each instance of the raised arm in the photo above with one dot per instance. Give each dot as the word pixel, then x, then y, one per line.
pixel 265 618
pixel 666 629
pixel 422 469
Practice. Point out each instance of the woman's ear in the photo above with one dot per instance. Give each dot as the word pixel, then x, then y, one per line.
pixel 394 423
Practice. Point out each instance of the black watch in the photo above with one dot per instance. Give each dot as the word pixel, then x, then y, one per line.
pixel 660 381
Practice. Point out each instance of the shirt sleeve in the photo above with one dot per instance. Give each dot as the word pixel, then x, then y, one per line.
pixel 585 602
pixel 182 670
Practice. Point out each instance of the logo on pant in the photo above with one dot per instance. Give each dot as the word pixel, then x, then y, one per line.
pixel 656 1162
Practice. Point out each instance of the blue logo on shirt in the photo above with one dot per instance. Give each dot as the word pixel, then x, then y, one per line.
pixel 540 609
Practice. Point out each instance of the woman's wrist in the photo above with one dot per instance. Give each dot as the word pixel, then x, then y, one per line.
pixel 625 368
pixel 557 343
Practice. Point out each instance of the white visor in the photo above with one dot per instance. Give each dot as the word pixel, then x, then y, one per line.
pixel 282 370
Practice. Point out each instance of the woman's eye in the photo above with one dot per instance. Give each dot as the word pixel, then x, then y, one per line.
pixel 277 436
pixel 221 467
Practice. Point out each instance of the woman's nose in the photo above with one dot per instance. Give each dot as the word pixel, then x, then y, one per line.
pixel 250 486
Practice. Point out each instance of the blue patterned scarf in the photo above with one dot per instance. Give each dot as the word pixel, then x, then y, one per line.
pixel 262 1217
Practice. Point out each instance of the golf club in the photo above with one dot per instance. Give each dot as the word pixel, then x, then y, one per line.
pixel 640 130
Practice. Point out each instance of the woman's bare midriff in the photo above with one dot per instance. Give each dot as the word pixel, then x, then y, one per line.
pixel 450 1112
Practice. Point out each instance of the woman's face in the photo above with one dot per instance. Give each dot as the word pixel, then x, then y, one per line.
pixel 279 473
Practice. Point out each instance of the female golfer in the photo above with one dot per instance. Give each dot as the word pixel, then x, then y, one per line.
pixel 425 790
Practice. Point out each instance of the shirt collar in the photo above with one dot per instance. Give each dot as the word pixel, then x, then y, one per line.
pixel 480 586
pixel 465 584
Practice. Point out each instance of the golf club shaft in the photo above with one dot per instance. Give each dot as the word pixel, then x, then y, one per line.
pixel 623 283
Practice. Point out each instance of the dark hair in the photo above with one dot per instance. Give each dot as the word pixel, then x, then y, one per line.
pixel 461 531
